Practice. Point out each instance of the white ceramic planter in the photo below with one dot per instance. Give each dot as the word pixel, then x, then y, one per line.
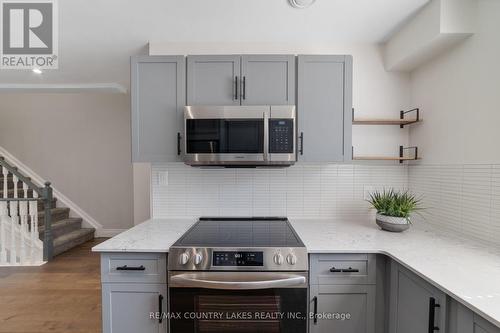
pixel 392 223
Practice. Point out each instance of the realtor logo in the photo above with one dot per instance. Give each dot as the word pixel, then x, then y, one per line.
pixel 28 34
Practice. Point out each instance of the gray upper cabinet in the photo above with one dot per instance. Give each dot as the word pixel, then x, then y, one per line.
pixel 268 80
pixel 324 106
pixel 158 96
pixel 213 80
pixel 414 304
pixel 241 80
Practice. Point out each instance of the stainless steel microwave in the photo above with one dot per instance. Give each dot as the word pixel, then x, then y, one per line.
pixel 240 135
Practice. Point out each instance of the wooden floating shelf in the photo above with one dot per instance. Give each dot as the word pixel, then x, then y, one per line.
pixel 399 122
pixel 383 158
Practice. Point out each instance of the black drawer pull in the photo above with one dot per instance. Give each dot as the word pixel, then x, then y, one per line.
pixel 335 270
pixel 160 308
pixel 315 309
pixel 126 268
pixel 350 270
pixel 432 313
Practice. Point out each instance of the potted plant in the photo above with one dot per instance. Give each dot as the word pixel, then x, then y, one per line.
pixel 394 209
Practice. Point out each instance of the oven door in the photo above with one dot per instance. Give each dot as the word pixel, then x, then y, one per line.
pixel 221 135
pixel 238 302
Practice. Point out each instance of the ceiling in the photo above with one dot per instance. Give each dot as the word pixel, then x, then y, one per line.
pixel 96 38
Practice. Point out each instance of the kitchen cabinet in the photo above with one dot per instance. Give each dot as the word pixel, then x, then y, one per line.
pixel 343 308
pixel 241 80
pixel 463 320
pixel 343 293
pixel 415 305
pixel 127 307
pixel 213 80
pixel 158 97
pixel 324 106
pixel 134 292
pixel 268 80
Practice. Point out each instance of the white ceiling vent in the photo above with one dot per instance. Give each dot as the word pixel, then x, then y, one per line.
pixel 301 3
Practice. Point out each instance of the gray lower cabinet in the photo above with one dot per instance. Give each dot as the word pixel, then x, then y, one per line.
pixel 343 293
pixel 268 80
pixel 415 305
pixel 343 308
pixel 213 79
pixel 463 320
pixel 324 106
pixel 131 307
pixel 158 89
pixel 134 292
pixel 241 80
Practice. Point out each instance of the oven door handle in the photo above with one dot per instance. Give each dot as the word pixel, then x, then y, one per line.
pixel 234 281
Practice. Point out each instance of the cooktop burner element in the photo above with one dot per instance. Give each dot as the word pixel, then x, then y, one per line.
pixel 240 232
pixel 251 244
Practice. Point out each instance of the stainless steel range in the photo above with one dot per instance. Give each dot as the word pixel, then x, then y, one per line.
pixel 238 275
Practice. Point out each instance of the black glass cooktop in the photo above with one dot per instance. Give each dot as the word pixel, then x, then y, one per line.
pixel 241 232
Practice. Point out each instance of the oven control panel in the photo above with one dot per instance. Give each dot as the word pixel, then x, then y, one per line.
pixel 237 258
pixel 280 136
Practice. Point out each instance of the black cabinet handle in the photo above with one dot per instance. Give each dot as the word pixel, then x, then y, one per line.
pixel 335 270
pixel 350 270
pixel 301 149
pixel 244 87
pixel 432 314
pixel 126 268
pixel 315 310
pixel 160 308
pixel 179 137
pixel 236 88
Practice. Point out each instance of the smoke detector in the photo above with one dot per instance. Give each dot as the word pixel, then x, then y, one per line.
pixel 301 3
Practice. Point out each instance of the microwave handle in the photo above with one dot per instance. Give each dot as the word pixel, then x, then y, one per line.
pixel 266 137
pixel 179 137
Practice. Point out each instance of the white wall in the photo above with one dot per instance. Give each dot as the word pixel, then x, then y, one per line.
pixel 459 93
pixel 79 142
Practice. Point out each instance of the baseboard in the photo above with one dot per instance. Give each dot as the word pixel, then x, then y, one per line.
pixel 108 232
pixel 75 210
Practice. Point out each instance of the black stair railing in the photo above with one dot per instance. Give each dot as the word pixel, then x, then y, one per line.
pixel 44 194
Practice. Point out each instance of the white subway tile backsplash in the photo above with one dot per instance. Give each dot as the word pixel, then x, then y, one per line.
pixel 304 190
pixel 463 198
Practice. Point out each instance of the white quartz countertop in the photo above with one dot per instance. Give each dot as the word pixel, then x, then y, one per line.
pixel 466 270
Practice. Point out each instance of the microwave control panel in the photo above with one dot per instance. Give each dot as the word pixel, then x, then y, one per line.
pixel 281 136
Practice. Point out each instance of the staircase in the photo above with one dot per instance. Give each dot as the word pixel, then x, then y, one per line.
pixel 67 231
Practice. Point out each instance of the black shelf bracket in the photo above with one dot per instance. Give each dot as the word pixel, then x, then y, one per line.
pixel 403 113
pixel 402 151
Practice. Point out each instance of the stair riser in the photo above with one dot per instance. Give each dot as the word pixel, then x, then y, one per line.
pixel 67 246
pixel 62 215
pixel 56 232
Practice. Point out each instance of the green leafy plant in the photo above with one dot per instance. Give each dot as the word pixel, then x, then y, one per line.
pixel 394 203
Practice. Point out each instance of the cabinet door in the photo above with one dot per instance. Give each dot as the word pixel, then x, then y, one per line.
pixel 334 303
pixel 158 96
pixel 463 320
pixel 213 80
pixel 268 80
pixel 410 303
pixel 324 105
pixel 128 308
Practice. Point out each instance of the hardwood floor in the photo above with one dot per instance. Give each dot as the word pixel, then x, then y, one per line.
pixel 61 296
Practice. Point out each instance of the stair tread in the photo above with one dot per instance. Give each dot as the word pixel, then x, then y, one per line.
pixel 54 211
pixel 61 223
pixel 72 236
